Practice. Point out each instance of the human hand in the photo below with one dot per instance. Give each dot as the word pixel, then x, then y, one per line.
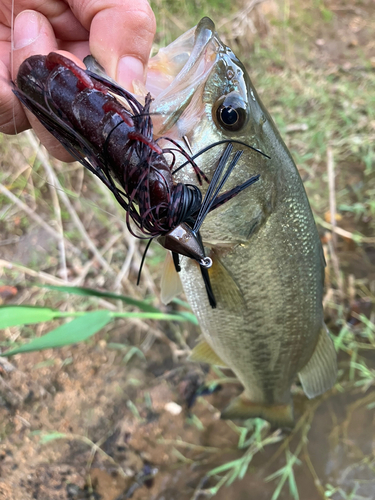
pixel 118 33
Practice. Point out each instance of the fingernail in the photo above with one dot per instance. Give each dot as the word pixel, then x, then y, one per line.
pixel 129 68
pixel 26 29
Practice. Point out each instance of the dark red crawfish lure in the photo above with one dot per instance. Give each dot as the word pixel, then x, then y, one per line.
pixel 115 142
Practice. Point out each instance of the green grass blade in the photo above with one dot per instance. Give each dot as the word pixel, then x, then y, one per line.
pixel 293 486
pixel 222 468
pixel 52 436
pixel 159 316
pixel 189 316
pixel 133 351
pixel 182 303
pixel 24 315
pixel 77 330
pixel 276 474
pixel 88 292
pixel 245 466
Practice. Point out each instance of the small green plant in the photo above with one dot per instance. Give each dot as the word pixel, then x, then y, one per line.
pixel 84 324
pixel 253 437
pixel 286 474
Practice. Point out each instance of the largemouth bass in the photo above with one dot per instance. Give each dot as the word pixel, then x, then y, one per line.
pixel 268 264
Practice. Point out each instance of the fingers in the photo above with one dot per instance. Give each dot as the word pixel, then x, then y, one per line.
pixel 12 115
pixel 121 35
pixel 33 35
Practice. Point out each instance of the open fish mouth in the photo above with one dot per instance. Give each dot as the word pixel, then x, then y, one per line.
pixel 192 54
pixel 177 74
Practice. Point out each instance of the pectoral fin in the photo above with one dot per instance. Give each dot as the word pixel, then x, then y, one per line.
pixel 279 416
pixel 203 353
pixel 225 289
pixel 320 373
pixel 171 285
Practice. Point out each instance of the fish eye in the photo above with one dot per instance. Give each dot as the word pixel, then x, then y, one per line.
pixel 230 112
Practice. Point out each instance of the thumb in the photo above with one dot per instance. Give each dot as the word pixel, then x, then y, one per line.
pixel 33 35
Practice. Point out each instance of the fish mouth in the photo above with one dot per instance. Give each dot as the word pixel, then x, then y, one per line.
pixel 178 72
pixel 177 61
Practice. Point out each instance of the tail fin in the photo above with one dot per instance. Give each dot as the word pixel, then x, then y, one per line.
pixel 320 373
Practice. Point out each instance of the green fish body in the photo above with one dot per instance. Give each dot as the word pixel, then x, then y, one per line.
pixel 268 265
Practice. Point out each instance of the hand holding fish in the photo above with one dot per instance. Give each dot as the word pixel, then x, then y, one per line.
pixel 119 34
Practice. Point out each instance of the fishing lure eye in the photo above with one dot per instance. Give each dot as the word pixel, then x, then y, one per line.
pixel 230 112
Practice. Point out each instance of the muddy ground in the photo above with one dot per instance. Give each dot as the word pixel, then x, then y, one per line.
pixel 81 423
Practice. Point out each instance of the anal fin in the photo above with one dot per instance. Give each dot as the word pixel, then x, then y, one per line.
pixel 203 353
pixel 320 373
pixel 278 415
